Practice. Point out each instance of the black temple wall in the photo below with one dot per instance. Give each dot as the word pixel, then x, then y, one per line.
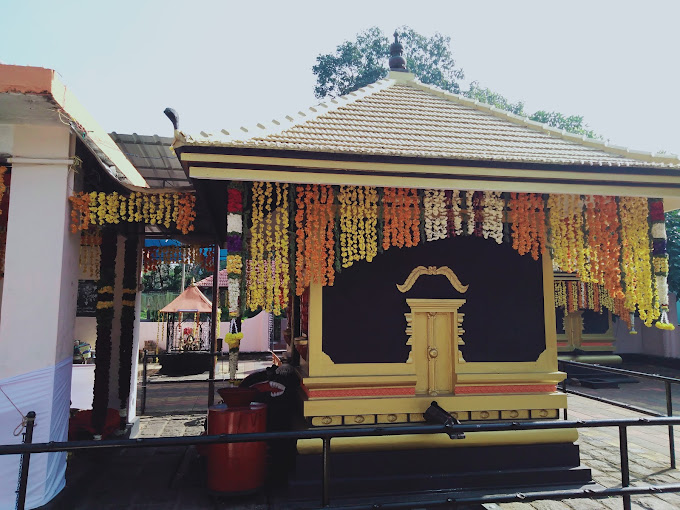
pixel 363 313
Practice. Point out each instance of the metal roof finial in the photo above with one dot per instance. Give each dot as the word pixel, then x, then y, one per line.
pixel 397 62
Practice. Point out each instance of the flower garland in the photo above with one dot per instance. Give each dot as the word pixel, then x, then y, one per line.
pixel 98 208
pixel 493 207
pixel 233 340
pixel 104 315
pixel 401 213
pixel 660 261
pixel 127 323
pixel 526 213
pixel 636 260
pixel 455 216
pixel 566 228
pixel 90 253
pixel 436 214
pixel 603 251
pixel 358 220
pixel 314 231
pixel 234 248
pixel 268 270
pixel 155 256
pixel 573 295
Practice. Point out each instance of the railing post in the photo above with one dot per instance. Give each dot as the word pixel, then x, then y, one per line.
pixel 325 484
pixel 564 390
pixel 669 410
pixel 25 461
pixel 625 472
pixel 144 361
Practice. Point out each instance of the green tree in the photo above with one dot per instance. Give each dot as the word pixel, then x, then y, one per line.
pixel 355 64
pixel 488 96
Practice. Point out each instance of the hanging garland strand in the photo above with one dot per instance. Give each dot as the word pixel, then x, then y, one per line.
pixel 358 222
pixel 660 261
pixel 234 247
pixel 127 322
pixel 98 208
pixel 315 235
pixel 636 259
pixel 104 315
pixel 401 213
pixel 602 227
pixel 268 269
pixel 526 213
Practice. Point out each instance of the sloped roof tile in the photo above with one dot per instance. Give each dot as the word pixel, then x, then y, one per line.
pixel 403 117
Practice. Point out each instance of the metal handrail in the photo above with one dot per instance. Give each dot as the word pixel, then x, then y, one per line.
pixel 631 373
pixel 327 434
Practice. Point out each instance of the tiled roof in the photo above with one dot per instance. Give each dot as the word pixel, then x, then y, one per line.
pixel 221 280
pixel 400 116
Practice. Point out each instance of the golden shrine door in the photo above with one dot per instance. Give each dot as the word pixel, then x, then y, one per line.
pixel 435 333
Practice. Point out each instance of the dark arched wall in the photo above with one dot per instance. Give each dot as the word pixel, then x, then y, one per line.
pixel 363 313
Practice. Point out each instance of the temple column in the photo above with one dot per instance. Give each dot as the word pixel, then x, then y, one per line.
pixel 38 306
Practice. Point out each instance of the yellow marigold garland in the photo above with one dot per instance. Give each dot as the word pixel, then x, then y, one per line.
pixel 566 227
pixel 636 259
pixel 99 208
pixel 268 268
pixel 358 221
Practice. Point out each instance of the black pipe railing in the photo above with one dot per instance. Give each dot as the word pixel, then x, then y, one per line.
pixel 145 379
pixel 631 373
pixel 25 461
pixel 327 434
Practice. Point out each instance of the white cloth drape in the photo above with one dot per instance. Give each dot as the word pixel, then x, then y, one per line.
pixel 45 391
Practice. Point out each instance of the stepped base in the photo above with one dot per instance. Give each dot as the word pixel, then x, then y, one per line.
pixel 403 472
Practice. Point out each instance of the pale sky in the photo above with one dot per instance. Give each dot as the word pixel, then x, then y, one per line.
pixel 225 64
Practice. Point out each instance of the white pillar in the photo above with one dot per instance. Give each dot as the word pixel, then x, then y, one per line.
pixel 38 306
pixel 132 401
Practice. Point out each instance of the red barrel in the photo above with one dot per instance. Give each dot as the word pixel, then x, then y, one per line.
pixel 236 467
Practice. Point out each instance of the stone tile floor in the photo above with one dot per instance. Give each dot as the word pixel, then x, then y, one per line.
pixel 648 454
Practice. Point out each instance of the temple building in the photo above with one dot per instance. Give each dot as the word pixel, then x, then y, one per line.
pixel 426 231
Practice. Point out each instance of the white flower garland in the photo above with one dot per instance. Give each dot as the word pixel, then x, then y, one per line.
pixel 467 205
pixel 659 230
pixel 234 223
pixel 492 226
pixel 434 204
pixel 234 290
pixel 456 213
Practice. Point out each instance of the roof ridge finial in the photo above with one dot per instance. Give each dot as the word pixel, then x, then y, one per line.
pixel 397 61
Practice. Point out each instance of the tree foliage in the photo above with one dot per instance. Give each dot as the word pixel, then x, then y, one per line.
pixel 355 64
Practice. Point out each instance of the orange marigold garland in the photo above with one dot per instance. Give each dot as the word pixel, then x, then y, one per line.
pixel 602 226
pixel 401 213
pixel 314 222
pixel 526 213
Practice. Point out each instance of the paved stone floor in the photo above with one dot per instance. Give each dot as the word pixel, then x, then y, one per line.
pixel 172 478
pixel 648 456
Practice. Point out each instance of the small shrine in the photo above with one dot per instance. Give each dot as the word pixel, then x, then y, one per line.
pixel 412 236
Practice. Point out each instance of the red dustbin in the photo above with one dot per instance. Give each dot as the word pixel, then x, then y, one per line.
pixel 236 467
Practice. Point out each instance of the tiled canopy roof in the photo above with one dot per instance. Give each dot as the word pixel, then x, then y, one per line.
pixel 222 280
pixel 400 116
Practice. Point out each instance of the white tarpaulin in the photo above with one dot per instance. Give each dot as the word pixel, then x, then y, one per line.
pixel 45 391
